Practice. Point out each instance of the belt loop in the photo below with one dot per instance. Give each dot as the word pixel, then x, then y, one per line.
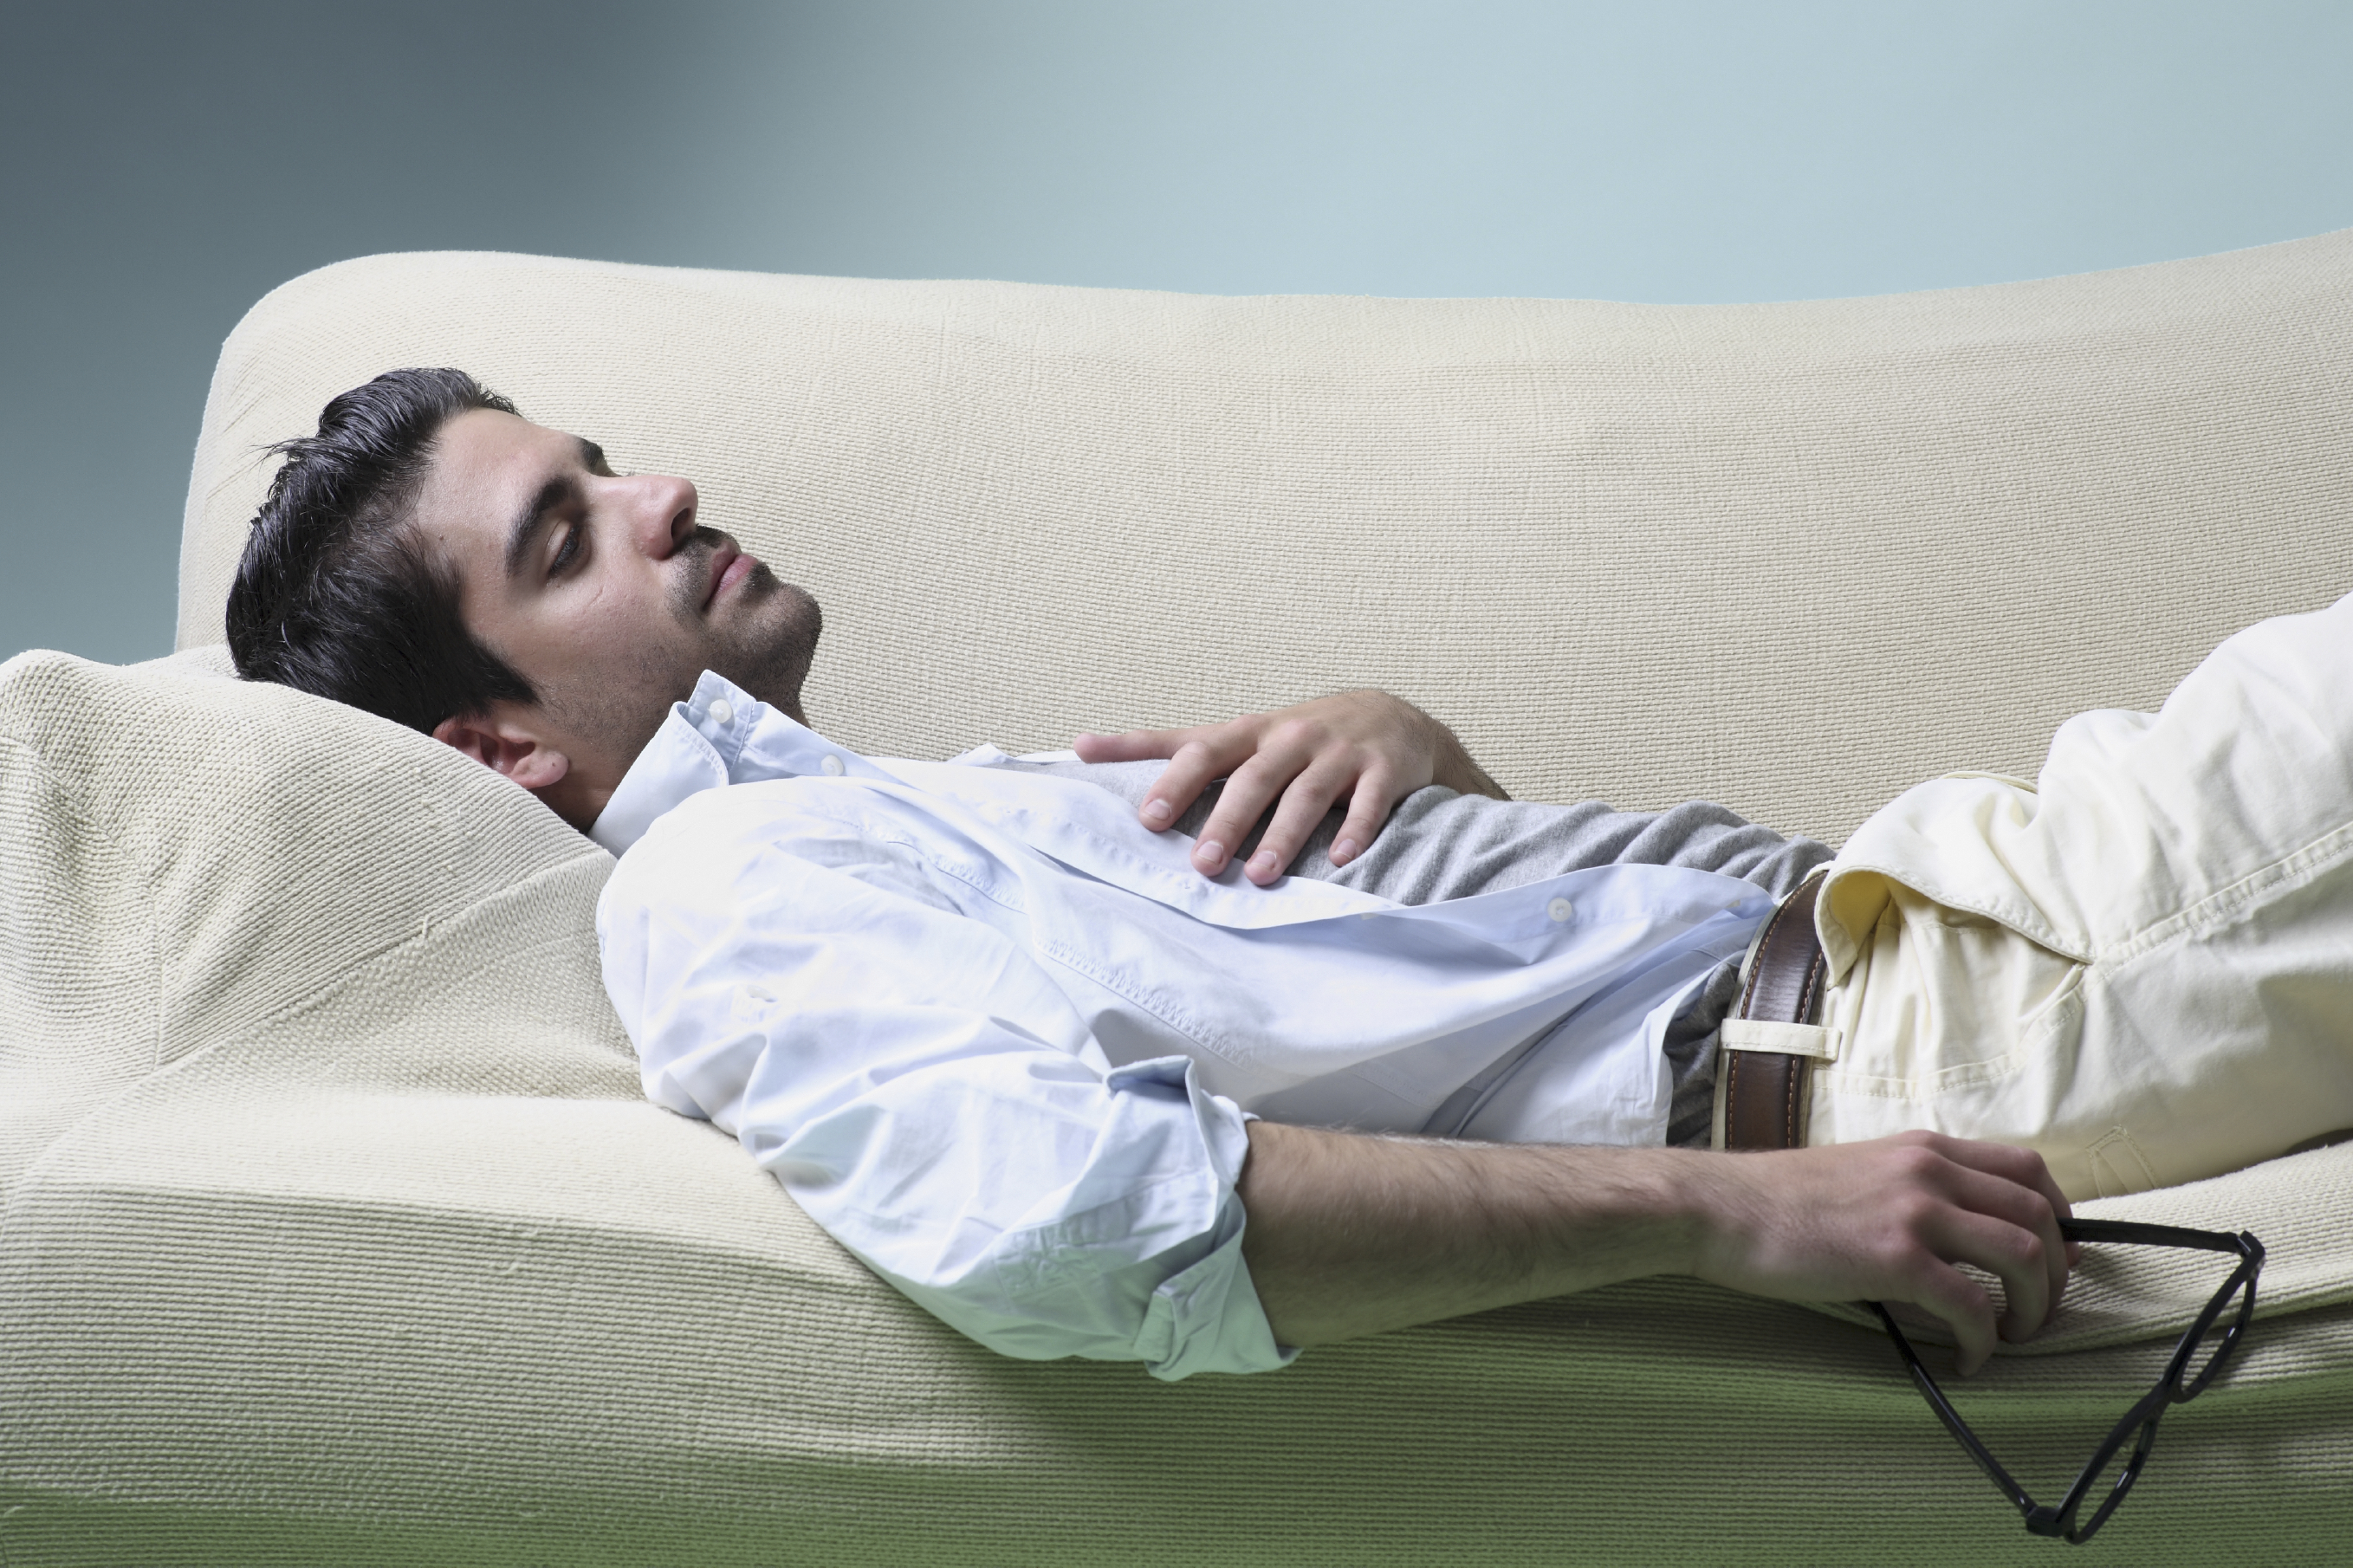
pixel 1760 1096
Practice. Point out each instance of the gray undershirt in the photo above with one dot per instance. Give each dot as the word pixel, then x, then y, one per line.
pixel 1438 845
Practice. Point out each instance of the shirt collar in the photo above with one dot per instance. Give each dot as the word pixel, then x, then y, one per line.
pixel 720 735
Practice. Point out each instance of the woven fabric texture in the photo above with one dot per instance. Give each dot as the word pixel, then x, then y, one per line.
pixel 335 1228
pixel 1791 557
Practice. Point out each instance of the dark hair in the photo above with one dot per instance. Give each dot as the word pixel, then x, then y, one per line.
pixel 334 595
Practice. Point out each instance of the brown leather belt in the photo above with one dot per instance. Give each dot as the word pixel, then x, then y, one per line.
pixel 1761 1094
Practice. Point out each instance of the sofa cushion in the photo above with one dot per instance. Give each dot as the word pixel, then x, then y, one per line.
pixel 336 1229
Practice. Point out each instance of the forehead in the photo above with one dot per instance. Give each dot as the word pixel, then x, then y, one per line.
pixel 486 469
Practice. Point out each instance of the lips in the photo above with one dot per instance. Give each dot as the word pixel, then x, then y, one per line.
pixel 728 565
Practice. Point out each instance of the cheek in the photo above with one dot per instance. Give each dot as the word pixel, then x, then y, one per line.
pixel 592 635
pixel 639 641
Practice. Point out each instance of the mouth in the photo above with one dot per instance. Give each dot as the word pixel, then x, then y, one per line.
pixel 729 566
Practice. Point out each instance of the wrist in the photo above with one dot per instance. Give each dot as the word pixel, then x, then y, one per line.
pixel 1696 1210
pixel 1454 768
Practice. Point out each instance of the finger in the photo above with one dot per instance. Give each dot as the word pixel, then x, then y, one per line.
pixel 1250 789
pixel 1962 1304
pixel 2027 1170
pixel 1133 745
pixel 2010 1163
pixel 1368 810
pixel 2011 1252
pixel 2064 1253
pixel 1303 806
pixel 1189 770
pixel 2068 1253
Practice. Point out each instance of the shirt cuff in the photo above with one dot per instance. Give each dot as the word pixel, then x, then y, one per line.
pixel 1207 1316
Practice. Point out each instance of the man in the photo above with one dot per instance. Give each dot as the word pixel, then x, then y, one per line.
pixel 979 1025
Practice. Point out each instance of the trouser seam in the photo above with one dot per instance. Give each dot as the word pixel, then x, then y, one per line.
pixel 2289 871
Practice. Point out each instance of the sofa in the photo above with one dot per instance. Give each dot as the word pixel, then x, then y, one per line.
pixel 333 1227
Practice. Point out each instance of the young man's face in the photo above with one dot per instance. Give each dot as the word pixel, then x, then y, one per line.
pixel 604 593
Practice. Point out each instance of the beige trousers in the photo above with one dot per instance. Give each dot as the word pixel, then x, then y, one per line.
pixel 2140 965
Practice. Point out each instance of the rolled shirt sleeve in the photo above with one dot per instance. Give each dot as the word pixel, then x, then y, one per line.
pixel 926 1093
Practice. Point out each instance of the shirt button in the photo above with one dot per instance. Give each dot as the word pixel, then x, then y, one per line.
pixel 1560 909
pixel 722 712
pixel 832 765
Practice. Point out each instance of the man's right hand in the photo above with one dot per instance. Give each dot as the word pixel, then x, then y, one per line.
pixel 1350 1234
pixel 1887 1221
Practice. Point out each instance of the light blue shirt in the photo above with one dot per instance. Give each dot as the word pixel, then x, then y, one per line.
pixel 1003 1043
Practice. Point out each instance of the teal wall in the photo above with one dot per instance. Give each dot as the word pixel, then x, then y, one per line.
pixel 162 164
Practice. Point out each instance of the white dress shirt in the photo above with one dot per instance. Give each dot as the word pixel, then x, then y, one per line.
pixel 1002 1042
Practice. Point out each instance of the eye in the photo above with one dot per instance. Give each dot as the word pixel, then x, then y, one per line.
pixel 568 551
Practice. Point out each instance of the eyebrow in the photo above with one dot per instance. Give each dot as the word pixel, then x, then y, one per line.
pixel 531 521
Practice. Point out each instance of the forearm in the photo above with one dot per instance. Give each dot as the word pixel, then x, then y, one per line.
pixel 1349 1234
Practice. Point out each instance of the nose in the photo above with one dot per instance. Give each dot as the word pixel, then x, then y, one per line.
pixel 663 507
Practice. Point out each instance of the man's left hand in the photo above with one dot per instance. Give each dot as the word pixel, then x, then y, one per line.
pixel 1372 748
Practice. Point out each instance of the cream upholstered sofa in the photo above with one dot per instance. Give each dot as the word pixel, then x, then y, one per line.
pixel 334 1227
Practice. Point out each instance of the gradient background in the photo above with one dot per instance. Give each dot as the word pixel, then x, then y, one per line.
pixel 161 165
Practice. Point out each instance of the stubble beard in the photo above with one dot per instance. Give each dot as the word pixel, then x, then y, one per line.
pixel 768 644
pixel 767 641
pixel 765 646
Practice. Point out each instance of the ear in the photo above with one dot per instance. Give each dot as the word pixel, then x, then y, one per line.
pixel 513 749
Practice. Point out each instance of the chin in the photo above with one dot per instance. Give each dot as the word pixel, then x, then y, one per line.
pixel 768 648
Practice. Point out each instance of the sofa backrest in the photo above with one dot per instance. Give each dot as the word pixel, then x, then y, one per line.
pixel 1793 557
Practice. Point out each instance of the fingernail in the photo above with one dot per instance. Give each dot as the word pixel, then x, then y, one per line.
pixel 1342 852
pixel 1211 856
pixel 1156 810
pixel 1262 863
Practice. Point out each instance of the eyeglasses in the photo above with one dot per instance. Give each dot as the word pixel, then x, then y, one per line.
pixel 2193 1365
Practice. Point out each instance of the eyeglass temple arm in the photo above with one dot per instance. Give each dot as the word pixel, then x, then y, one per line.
pixel 2001 1479
pixel 2134 1233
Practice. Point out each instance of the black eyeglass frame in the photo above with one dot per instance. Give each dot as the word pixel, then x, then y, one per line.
pixel 2139 1423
